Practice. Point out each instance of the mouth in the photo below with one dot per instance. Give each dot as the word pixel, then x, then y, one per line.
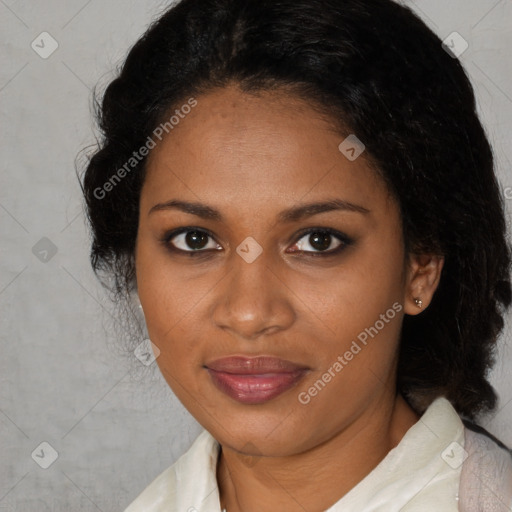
pixel 254 380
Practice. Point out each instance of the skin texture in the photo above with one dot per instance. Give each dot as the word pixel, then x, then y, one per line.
pixel 251 157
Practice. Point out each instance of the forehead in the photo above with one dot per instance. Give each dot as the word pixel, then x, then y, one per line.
pixel 264 148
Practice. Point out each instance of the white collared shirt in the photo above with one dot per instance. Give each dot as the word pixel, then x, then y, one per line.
pixel 421 474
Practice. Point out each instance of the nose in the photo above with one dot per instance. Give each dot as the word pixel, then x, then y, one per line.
pixel 253 299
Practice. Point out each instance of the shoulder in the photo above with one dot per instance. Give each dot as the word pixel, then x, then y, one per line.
pixel 157 496
pixel 185 485
pixel 486 476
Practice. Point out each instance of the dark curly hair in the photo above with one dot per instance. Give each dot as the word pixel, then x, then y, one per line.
pixel 377 71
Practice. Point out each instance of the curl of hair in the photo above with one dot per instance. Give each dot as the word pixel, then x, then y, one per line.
pixel 376 70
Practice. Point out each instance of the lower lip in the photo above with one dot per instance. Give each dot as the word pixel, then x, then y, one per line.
pixel 255 389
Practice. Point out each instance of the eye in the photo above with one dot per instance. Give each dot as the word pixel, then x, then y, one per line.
pixel 320 241
pixel 314 241
pixel 191 240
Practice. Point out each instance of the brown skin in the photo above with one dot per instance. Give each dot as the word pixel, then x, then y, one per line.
pixel 251 157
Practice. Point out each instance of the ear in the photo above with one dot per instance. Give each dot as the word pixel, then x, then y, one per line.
pixel 423 276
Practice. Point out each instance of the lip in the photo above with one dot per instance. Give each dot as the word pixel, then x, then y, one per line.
pixel 242 365
pixel 254 380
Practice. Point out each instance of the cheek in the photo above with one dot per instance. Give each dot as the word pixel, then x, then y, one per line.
pixel 157 284
pixel 158 292
pixel 170 302
pixel 358 311
pixel 351 296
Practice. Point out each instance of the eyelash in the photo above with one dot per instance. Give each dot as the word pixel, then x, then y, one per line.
pixel 344 239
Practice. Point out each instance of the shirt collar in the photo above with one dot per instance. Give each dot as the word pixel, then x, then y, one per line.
pixel 426 463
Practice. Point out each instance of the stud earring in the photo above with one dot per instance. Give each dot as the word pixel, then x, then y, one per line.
pixel 418 302
pixel 136 302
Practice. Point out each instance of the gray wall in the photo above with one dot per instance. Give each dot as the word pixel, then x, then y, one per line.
pixel 64 382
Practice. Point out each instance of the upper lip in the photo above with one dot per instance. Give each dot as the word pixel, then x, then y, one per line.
pixel 242 365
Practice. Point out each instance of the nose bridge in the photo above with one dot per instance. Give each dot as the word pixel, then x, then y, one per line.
pixel 253 299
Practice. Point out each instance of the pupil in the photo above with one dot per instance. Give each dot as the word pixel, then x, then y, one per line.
pixel 196 239
pixel 320 241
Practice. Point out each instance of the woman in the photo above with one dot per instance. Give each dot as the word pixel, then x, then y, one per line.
pixel 304 200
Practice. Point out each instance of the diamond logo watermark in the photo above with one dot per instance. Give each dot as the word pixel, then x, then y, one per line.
pixel 455 45
pixel 351 147
pixel 454 455
pixel 249 249
pixel 45 455
pixel 251 460
pixel 44 45
pixel 146 352
pixel 44 250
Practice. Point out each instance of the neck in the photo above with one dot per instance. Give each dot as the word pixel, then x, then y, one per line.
pixel 314 479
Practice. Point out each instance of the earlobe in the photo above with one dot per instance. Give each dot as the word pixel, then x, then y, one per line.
pixel 423 279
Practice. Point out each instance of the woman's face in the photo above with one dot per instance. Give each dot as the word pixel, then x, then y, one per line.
pixel 236 283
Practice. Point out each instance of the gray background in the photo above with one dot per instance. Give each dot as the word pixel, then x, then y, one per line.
pixel 114 422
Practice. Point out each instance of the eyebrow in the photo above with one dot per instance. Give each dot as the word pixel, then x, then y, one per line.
pixel 292 214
